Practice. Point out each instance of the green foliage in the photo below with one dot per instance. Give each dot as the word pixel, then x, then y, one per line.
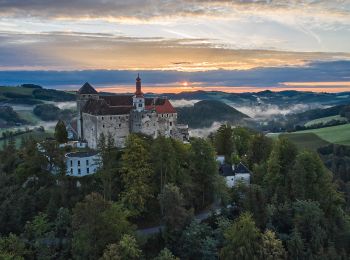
pixel 136 174
pixel 175 215
pixel 204 171
pixel 97 223
pixel 242 240
pixel 12 247
pixel 127 248
pixel 166 254
pixel 61 134
pixel 46 112
pixel 224 142
pixel 271 247
pixel 197 242
pixel 10 116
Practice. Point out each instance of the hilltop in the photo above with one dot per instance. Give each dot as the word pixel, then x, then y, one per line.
pixel 206 112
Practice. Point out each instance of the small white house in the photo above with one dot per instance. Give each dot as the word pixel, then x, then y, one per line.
pixel 235 174
pixel 82 163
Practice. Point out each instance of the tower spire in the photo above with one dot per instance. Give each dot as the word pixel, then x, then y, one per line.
pixel 138 86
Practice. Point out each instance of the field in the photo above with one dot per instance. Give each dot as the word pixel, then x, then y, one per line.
pixel 325 120
pixel 315 138
pixel 339 134
pixel 306 140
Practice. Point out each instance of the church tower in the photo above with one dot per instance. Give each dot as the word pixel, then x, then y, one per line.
pixel 138 98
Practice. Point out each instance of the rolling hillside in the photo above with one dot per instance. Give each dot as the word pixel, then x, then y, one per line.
pixel 206 112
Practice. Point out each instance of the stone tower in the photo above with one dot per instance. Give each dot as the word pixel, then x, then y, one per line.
pixel 138 98
pixel 85 93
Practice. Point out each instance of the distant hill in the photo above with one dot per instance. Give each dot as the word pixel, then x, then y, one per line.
pixel 281 99
pixel 205 112
pixel 30 94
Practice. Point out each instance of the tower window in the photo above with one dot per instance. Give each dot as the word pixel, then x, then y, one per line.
pixel 78 163
pixel 71 170
pixel 87 170
pixel 87 162
pixel 120 125
pixel 102 118
pixel 171 123
pixel 140 105
pixel 79 171
pixel 103 126
pixel 110 118
pixel 71 163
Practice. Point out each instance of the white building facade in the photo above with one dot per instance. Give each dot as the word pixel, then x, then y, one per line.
pixel 81 164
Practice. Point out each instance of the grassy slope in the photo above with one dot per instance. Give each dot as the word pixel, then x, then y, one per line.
pixel 325 120
pixel 335 134
pixel 306 140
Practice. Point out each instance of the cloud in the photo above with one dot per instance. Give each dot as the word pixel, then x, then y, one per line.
pixel 81 51
pixel 183 102
pixel 331 72
pixel 204 132
pixel 143 10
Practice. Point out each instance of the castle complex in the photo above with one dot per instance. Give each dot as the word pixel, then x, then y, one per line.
pixel 120 115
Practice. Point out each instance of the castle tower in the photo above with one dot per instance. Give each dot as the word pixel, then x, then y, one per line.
pixel 85 93
pixel 138 98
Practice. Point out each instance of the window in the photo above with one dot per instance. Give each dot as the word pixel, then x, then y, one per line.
pixel 79 171
pixel 71 170
pixel 171 123
pixel 140 105
pixel 87 170
pixel 78 163
pixel 110 118
pixel 120 125
pixel 102 118
pixel 103 126
pixel 87 162
pixel 71 163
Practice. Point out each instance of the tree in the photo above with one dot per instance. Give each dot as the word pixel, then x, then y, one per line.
pixel 241 140
pixel 12 247
pixel 310 222
pixel 61 134
pixel 109 164
pixel 172 203
pixel 204 171
pixel 224 141
pixel 166 254
pixel 259 150
pixel 271 247
pixel 97 223
pixel 242 240
pixel 197 242
pixel 164 161
pixel 127 248
pixel 281 161
pixel 136 175
pixel 295 245
pixel 40 236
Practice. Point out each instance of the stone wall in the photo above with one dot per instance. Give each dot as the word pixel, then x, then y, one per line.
pixel 116 125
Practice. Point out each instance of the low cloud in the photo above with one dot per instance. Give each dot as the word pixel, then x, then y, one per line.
pixel 266 111
pixel 183 102
pixel 204 132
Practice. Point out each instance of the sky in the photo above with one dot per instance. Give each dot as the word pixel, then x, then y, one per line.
pixel 177 45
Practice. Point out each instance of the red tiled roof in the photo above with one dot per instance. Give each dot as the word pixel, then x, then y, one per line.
pixel 164 108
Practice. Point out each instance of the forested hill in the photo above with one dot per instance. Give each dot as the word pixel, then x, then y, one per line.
pixel 31 94
pixel 205 112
